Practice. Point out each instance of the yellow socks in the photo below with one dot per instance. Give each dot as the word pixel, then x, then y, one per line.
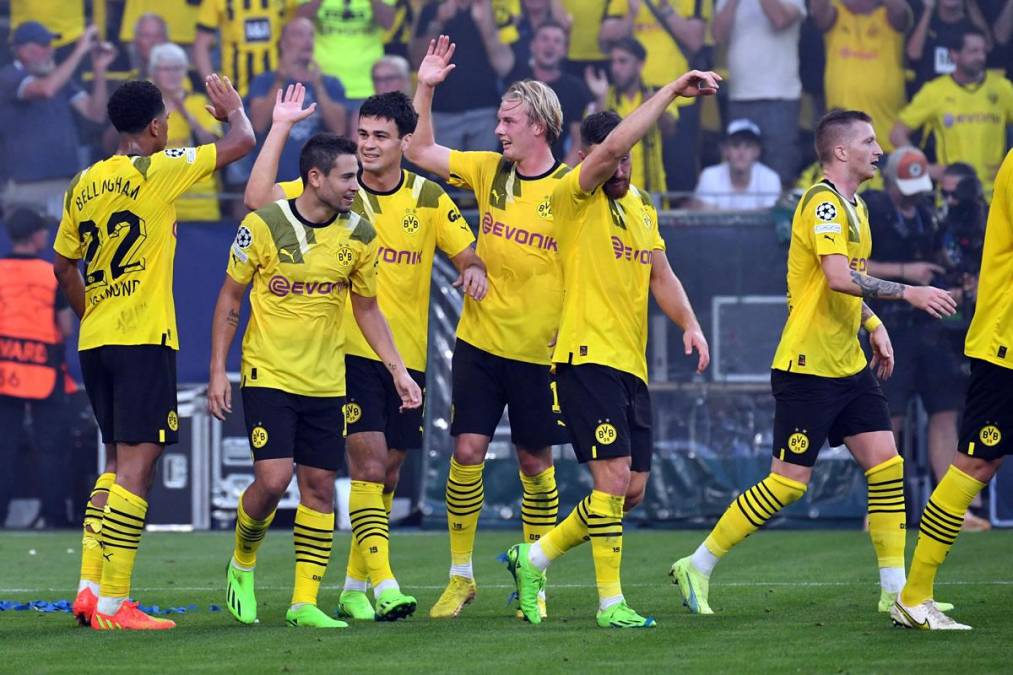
pixel 887 521
pixel 371 532
pixel 750 511
pixel 250 534
pixel 91 546
pixel 465 496
pixel 539 504
pixel 313 533
pixel 122 525
pixel 605 527
pixel 571 532
pixel 941 523
pixel 356 572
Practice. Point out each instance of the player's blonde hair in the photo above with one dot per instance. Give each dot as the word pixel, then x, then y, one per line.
pixel 543 106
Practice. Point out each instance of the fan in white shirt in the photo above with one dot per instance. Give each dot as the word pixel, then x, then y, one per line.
pixel 740 182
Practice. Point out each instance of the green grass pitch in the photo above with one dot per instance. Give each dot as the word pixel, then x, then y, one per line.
pixel 785 602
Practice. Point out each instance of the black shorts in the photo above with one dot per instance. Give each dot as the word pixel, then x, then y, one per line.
pixel 373 404
pixel 132 389
pixel 307 429
pixel 607 412
pixel 987 429
pixel 808 409
pixel 929 365
pixel 485 383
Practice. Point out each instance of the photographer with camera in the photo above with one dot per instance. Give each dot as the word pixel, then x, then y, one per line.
pixel 914 244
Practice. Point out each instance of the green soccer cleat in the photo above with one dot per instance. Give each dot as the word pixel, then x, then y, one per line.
pixel 620 615
pixel 543 608
pixel 528 579
pixel 393 605
pixel 306 615
pixel 693 585
pixel 239 595
pixel 355 605
pixel 886 601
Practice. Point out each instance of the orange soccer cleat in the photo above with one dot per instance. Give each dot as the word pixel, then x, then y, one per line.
pixel 129 617
pixel 84 606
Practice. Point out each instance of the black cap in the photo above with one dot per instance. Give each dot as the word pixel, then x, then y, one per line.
pixel 23 223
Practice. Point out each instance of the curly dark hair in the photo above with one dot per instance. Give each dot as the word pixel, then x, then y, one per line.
pixel 132 107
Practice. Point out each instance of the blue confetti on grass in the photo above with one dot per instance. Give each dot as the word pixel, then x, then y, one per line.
pixel 64 606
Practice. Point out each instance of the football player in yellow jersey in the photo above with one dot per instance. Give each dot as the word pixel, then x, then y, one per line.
pixel 823 387
pixel 613 256
pixel 120 217
pixel 967 111
pixel 413 217
pixel 248 34
pixel 501 359
pixel 305 257
pixel 986 434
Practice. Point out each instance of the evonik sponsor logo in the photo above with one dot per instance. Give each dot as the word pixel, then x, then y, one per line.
pixel 394 257
pixel 282 286
pixel 518 234
pixel 623 252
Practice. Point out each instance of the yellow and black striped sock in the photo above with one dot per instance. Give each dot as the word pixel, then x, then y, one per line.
pixel 571 532
pixel 91 544
pixel 313 534
pixel 605 527
pixel 539 504
pixel 250 534
pixel 122 525
pixel 887 517
pixel 941 523
pixel 465 496
pixel 370 529
pixel 751 510
pixel 356 572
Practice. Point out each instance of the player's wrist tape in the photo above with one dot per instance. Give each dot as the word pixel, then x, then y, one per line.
pixel 872 323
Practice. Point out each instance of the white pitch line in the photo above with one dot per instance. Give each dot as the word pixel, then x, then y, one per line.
pixel 736 584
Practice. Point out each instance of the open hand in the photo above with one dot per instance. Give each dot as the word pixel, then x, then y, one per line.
pixel 288 105
pixel 224 97
pixel 436 65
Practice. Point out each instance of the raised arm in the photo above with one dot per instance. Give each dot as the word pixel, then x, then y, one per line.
pixel 673 301
pixel 51 84
pixel 224 324
pixel 203 41
pixel 375 329
pixel 601 163
pixel 262 187
pixel 823 13
pixel 501 56
pixel 617 27
pixel 916 40
pixel 227 106
pixel 434 69
pixel 843 279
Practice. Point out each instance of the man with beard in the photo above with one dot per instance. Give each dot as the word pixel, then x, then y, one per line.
pixel 967 112
pixel 612 256
pixel 548 50
pixel 37 103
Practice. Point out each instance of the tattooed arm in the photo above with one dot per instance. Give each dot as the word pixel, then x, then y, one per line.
pixel 841 278
pixel 223 330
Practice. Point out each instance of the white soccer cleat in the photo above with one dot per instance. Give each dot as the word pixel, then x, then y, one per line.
pixel 925 616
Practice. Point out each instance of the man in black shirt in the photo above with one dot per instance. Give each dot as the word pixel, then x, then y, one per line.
pixel 906 247
pixel 548 51
pixel 464 110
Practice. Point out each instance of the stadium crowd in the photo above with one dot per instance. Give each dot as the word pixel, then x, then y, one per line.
pixel 932 73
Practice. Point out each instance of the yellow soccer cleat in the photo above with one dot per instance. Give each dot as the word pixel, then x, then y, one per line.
pixel 693 584
pixel 460 591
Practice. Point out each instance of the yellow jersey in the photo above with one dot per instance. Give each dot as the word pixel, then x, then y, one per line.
pixel 301 273
pixel 865 67
pixel 119 216
pixel 587 16
pixel 180 17
pixel 607 247
pixel 63 17
pixel 200 202
pixel 820 336
pixel 517 242
pixel 249 32
pixel 990 336
pixel 648 166
pixel 665 60
pixel 967 121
